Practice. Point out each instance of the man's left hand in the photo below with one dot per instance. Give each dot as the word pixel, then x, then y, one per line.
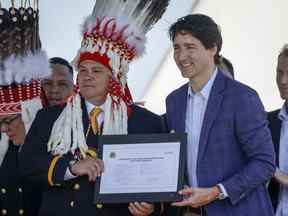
pixel 281 177
pixel 141 209
pixel 197 197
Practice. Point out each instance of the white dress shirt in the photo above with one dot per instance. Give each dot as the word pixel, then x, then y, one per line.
pixel 100 119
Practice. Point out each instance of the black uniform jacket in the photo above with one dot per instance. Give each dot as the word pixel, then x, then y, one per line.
pixel 275 127
pixel 16 197
pixel 73 197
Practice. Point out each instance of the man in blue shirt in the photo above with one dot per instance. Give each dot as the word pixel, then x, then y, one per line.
pixel 230 153
pixel 278 120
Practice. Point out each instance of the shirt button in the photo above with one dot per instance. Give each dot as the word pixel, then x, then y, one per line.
pixel 76 187
pixel 72 203
pixel 3 190
pixel 4 212
pixel 21 211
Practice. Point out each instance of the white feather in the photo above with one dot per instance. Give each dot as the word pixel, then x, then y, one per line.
pixel 24 69
pixel 4 145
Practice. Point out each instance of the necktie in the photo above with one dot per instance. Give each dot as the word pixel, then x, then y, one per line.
pixel 94 119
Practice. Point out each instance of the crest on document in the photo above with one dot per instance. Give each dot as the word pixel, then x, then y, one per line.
pixel 112 155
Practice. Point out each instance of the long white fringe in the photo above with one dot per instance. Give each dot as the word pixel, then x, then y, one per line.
pixel 70 122
pixel 29 109
pixel 4 145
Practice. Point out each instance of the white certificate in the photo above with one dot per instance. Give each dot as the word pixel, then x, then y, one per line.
pixel 140 168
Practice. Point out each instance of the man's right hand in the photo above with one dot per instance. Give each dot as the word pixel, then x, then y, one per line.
pixel 92 167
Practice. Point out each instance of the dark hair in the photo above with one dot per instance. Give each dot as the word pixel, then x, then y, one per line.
pixel 201 27
pixel 58 60
pixel 284 51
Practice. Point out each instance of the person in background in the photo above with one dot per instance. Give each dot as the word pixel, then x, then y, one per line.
pixel 226 67
pixel 278 123
pixel 59 86
pixel 22 66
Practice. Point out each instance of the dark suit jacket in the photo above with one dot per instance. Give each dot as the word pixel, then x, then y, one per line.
pixel 16 197
pixel 235 147
pixel 275 127
pixel 74 197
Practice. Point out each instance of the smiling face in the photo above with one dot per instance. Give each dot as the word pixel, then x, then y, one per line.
pixel 282 76
pixel 93 80
pixel 13 126
pixel 193 60
pixel 59 86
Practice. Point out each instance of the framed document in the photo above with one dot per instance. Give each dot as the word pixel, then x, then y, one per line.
pixel 146 167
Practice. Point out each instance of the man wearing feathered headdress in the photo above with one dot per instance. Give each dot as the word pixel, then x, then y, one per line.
pixel 22 66
pixel 64 156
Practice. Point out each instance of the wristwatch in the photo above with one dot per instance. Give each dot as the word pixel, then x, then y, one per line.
pixel 71 163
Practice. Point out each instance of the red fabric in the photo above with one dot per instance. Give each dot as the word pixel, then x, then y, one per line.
pixel 9 109
pixel 114 90
pixel 95 57
pixel 12 95
pixel 16 93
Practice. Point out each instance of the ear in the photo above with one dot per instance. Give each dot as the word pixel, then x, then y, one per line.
pixel 214 50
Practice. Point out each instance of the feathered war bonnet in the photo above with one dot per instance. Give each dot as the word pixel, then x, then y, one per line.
pixel 22 64
pixel 114 35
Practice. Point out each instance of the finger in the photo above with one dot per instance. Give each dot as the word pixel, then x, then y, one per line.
pixel 90 174
pixel 74 170
pixel 101 163
pixel 182 203
pixel 131 210
pixel 146 205
pixel 94 171
pixel 98 167
pixel 141 208
pixel 90 170
pixel 134 210
pixel 197 205
pixel 186 191
pixel 95 174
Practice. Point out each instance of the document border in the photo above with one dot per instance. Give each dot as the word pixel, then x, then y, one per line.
pixel 141 139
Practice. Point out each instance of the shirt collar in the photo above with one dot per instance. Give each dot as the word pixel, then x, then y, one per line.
pixel 283 116
pixel 90 106
pixel 205 91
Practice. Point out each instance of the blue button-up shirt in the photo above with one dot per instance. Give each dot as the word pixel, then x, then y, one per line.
pixel 282 209
pixel 195 111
